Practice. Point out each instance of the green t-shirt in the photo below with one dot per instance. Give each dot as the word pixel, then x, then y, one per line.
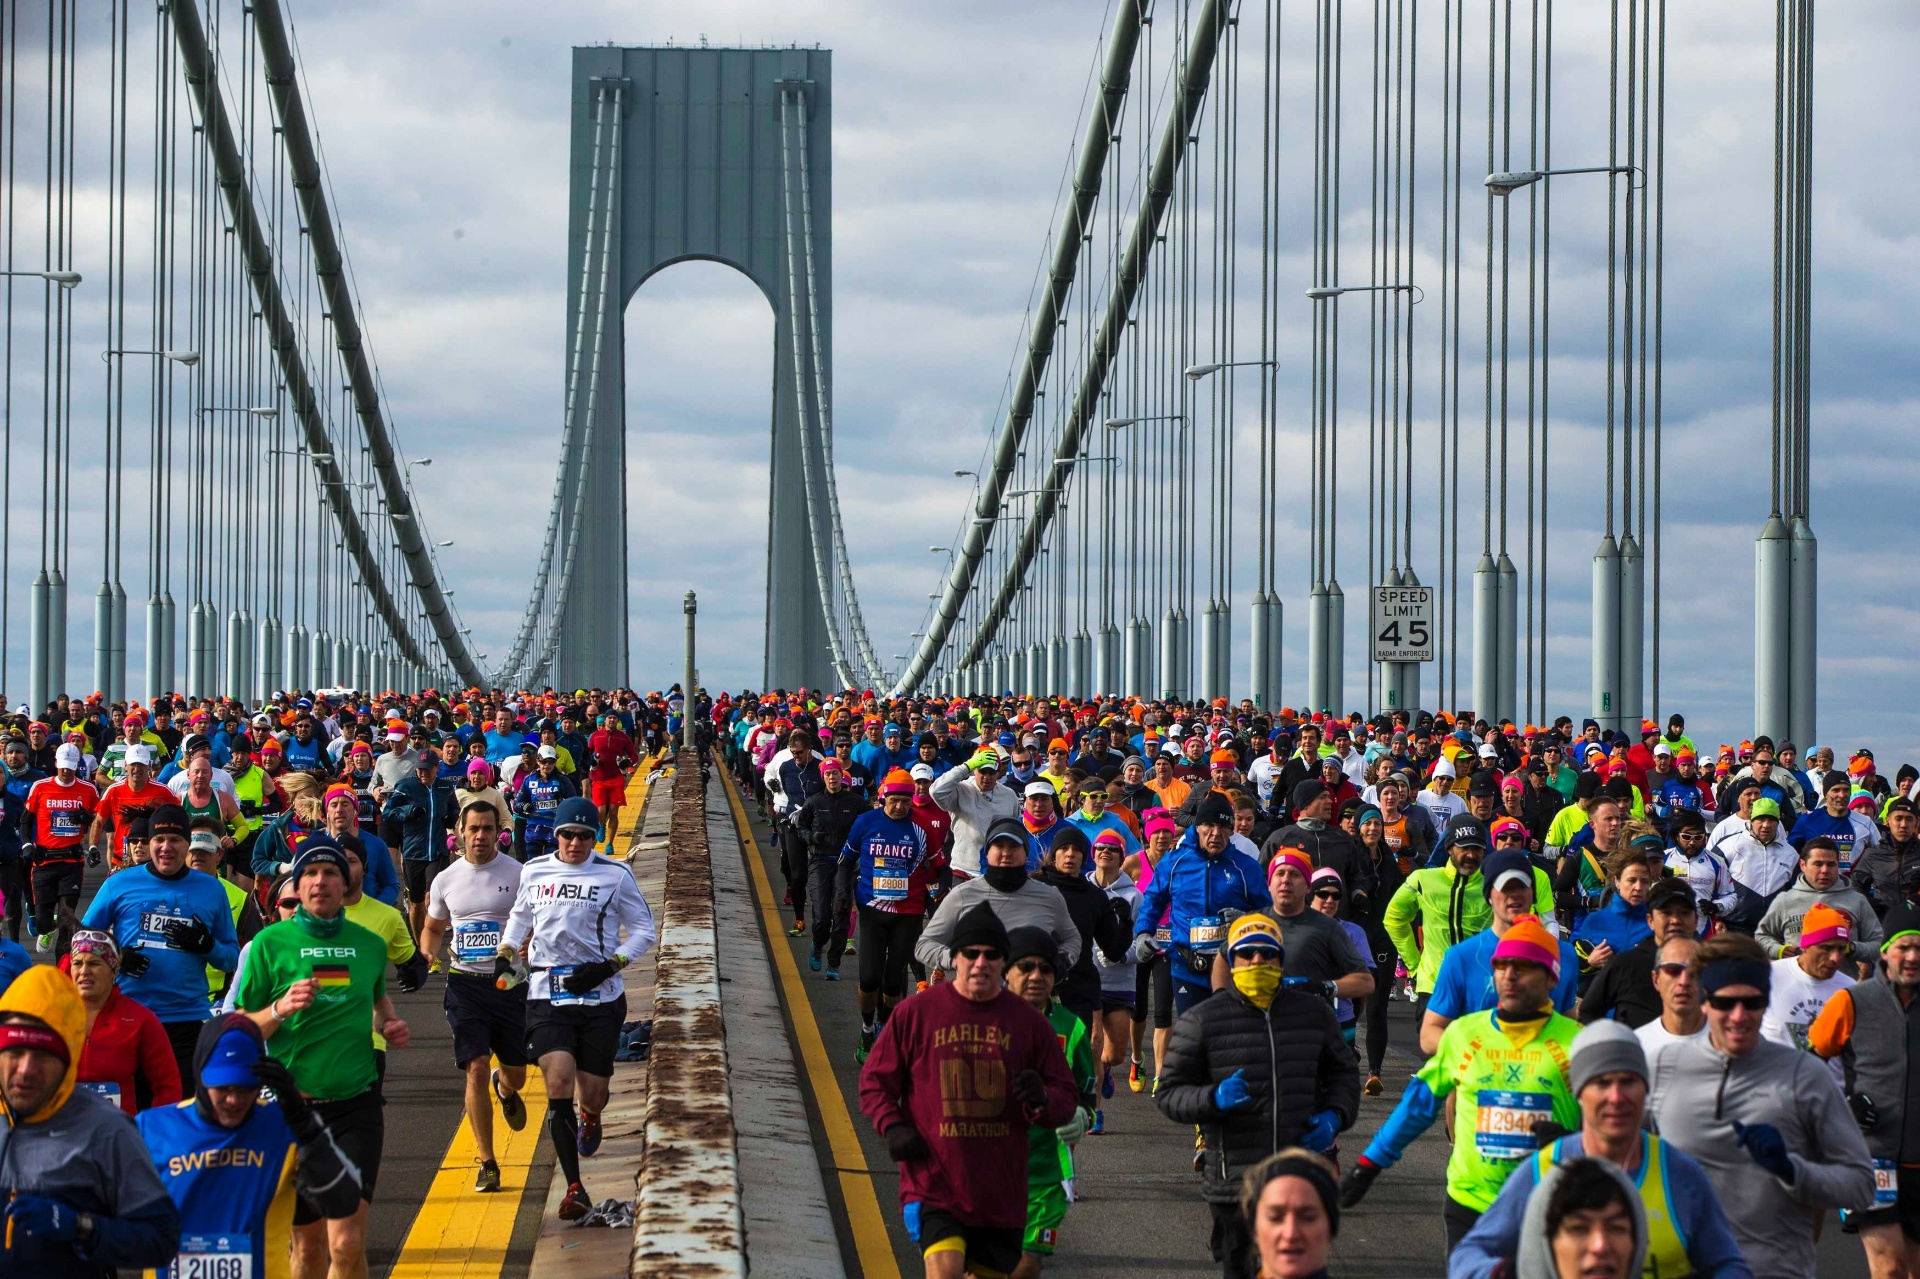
pixel 1049 1159
pixel 327 1046
pixel 1504 1080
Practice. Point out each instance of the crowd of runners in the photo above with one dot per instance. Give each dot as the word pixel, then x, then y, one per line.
pixel 192 1058
pixel 1664 996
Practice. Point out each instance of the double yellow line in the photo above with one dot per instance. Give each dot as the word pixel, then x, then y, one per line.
pixel 870 1240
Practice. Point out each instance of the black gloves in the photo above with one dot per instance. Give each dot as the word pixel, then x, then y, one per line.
pixel 133 963
pixel 905 1144
pixel 411 975
pixel 275 1075
pixel 587 976
pixel 1030 1089
pixel 1546 1132
pixel 191 936
pixel 1358 1181
pixel 1865 1113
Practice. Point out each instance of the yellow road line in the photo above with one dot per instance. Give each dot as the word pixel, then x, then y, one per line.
pixel 461 1234
pixel 636 803
pixel 870 1238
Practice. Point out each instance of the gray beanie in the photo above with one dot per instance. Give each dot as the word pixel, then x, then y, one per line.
pixel 1601 1048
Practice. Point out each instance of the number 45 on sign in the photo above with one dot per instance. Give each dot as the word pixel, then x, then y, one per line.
pixel 1402 624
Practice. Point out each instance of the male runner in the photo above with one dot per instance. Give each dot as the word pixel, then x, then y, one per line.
pixel 470 901
pixel 569 915
pixel 59 808
pixel 613 756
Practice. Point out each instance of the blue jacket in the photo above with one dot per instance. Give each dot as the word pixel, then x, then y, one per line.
pixel 134 904
pixel 1465 982
pixel 424 814
pixel 1194 887
pixel 304 757
pixel 1691 1205
pixel 13 807
pixel 1616 923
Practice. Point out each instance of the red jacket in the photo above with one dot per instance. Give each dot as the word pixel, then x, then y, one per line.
pixel 126 1043
pixel 945 1064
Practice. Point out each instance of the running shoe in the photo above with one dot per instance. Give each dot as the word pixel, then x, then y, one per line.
pixel 1106 1082
pixel 920 987
pixel 1373 1086
pixel 512 1108
pixel 833 974
pixel 589 1140
pixel 1136 1080
pixel 813 960
pixel 489 1179
pixel 44 943
pixel 867 1036
pixel 575 1204
pixel 434 967
pixel 1099 1123
pixel 799 928
pixel 852 949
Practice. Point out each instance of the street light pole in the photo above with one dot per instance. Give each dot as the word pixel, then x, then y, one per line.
pixel 691 607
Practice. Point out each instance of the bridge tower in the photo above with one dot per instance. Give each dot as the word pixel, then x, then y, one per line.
pixel 680 154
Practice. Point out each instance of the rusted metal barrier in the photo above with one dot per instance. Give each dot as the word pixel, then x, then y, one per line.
pixel 687 1221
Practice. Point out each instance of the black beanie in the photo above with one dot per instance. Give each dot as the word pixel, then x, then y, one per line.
pixel 978 926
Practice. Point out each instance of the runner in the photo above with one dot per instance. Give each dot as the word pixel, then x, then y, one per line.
pixel 568 918
pixel 953 1085
pixel 613 756
pixel 469 902
pixel 59 808
pixel 1033 968
pixel 882 859
pixel 235 1163
pixel 315 985
pixel 171 923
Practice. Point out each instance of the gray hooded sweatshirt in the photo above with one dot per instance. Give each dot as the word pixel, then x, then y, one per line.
pixel 1780 926
pixel 1535 1257
pixel 1697 1094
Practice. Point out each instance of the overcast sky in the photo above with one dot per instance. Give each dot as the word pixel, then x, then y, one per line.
pixel 445 129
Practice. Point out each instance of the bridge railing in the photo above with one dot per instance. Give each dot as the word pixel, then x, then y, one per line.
pixel 687 1221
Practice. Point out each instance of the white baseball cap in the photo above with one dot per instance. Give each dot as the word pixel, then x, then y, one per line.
pixel 548 752
pixel 141 754
pixel 1661 748
pixel 1041 788
pixel 921 772
pixel 67 756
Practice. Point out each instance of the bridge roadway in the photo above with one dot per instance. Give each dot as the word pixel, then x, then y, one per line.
pixel 1138 1209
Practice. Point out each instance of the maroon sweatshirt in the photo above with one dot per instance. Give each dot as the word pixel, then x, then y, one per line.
pixel 944 1064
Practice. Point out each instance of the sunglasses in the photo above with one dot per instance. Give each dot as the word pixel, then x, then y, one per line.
pixel 1268 953
pixel 981 954
pixel 289 903
pixel 1327 894
pixel 1034 966
pixel 1672 970
pixel 1727 1003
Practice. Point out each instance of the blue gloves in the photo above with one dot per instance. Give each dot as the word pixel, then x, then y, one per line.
pixel 1321 1130
pixel 1767 1147
pixel 47 1219
pixel 1232 1092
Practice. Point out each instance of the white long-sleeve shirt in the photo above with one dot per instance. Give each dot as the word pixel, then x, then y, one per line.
pixel 578 914
pixel 973 811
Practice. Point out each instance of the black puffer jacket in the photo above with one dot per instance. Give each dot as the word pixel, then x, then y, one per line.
pixel 824 820
pixel 1294 1045
pixel 1101 923
pixel 1330 845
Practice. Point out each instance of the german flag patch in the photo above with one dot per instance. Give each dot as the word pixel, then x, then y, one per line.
pixel 332 975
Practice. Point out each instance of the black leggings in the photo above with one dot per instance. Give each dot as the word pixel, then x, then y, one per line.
pixel 1384 959
pixel 886 943
pixel 1157 976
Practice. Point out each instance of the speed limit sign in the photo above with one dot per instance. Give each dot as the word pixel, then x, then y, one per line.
pixel 1402 623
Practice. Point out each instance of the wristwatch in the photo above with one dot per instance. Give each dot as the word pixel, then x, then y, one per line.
pixel 619 960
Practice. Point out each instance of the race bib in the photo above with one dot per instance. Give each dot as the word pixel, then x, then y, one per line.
pixel 476 941
pixel 66 823
pixel 106 1089
pixel 889 888
pixel 1886 1183
pixel 1206 933
pixel 1163 936
pixel 1504 1127
pixel 213 1257
pixel 152 926
pixel 560 997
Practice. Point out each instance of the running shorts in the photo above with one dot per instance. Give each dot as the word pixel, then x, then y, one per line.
pixel 591 1032
pixel 609 792
pixel 359 1128
pixel 991 1251
pixel 486 1019
pixel 1046 1209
